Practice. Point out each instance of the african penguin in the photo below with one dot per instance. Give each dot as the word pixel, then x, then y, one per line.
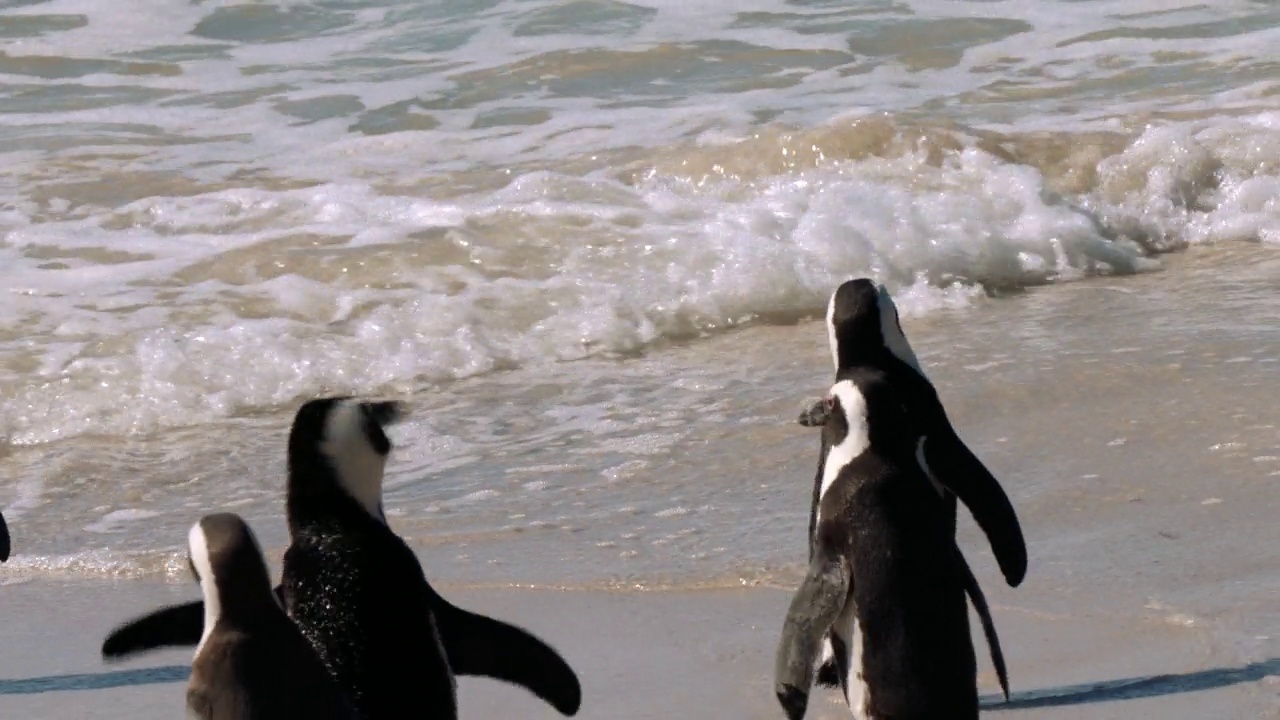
pixel 358 592
pixel 886 582
pixel 864 330
pixel 4 539
pixel 251 663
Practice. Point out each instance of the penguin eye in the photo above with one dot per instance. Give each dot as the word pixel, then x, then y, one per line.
pixel 829 402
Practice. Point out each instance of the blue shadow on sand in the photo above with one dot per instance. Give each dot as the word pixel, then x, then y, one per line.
pixel 1134 688
pixel 96 681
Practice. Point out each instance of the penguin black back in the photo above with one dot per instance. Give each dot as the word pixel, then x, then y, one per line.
pixel 252 663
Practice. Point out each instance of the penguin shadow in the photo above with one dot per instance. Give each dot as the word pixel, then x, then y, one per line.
pixel 96 681
pixel 1133 688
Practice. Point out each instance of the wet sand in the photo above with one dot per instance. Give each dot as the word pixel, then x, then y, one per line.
pixel 696 654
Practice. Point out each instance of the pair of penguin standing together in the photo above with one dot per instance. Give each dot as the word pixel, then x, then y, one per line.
pixel 354 631
pixel 884 595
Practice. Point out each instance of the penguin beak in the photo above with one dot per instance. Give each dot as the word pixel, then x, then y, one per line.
pixel 815 415
pixel 385 413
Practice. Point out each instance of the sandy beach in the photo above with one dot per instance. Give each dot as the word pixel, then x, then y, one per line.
pixel 698 654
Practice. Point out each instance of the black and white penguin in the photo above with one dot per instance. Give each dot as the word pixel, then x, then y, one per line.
pixel 4 539
pixel 251 663
pixel 358 592
pixel 886 583
pixel 353 586
pixel 864 330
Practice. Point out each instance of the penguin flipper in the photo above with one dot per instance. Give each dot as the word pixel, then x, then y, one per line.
pixel 481 646
pixel 815 606
pixel 175 625
pixel 4 539
pixel 961 472
pixel 974 591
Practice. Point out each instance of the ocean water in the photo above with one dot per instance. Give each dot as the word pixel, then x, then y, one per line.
pixel 585 241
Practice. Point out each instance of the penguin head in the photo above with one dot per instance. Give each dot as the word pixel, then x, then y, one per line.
pixel 863 324
pixel 340 442
pixel 844 410
pixel 225 558
pixel 863 409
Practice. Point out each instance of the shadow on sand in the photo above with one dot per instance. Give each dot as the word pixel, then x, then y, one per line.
pixel 1133 688
pixel 96 681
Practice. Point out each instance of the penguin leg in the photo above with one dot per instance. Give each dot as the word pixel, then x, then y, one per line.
pixel 829 670
pixel 4 539
pixel 482 646
pixel 817 604
pixel 846 645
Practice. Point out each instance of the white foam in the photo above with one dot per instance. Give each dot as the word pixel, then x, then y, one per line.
pixel 471 498
pixel 118 520
pixel 99 563
pixel 229 288
pixel 698 260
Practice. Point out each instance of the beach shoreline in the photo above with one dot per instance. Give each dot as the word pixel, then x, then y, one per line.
pixel 698 654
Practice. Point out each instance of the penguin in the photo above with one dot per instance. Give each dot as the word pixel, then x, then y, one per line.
pixel 357 591
pixel 886 583
pixel 251 663
pixel 864 329
pixel 4 539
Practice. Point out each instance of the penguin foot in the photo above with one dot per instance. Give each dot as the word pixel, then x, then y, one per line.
pixel 828 675
pixel 794 700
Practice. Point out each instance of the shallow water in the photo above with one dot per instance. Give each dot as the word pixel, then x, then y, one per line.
pixel 583 240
